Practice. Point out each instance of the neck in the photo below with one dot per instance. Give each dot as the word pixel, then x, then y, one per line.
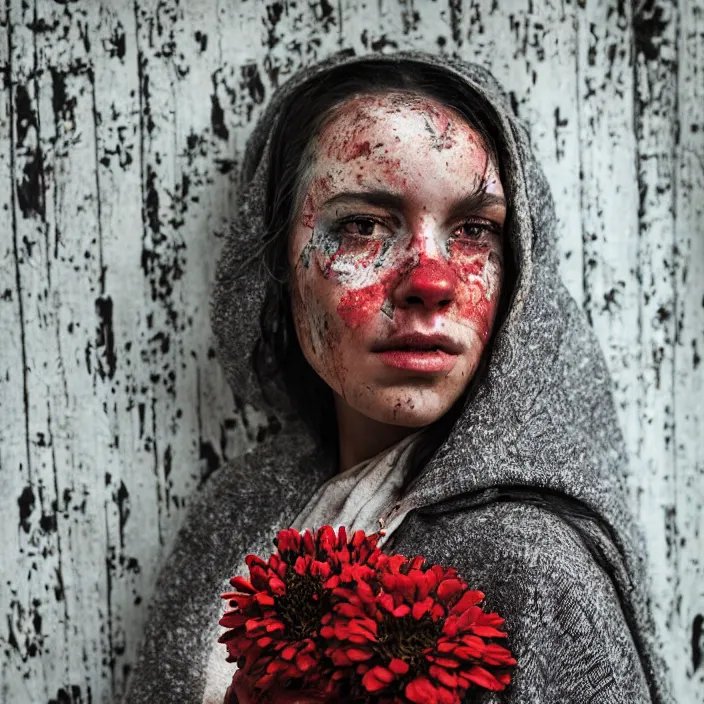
pixel 361 437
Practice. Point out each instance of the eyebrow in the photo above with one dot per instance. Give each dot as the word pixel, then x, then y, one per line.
pixel 473 201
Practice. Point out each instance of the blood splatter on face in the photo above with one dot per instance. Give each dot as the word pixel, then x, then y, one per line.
pixel 397 256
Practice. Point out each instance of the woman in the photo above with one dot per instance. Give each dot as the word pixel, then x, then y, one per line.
pixel 390 289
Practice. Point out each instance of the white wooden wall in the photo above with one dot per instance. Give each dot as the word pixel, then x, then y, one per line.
pixel 122 124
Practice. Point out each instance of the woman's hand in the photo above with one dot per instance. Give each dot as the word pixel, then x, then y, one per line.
pixel 242 692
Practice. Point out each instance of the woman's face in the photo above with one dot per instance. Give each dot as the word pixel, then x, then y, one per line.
pixel 396 257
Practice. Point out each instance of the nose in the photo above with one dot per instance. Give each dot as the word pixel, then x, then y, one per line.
pixel 431 284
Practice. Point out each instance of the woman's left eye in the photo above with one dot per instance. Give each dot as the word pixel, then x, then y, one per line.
pixel 474 230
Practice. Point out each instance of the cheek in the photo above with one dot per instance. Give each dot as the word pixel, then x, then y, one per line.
pixel 479 272
pixel 352 263
pixel 361 274
pixel 311 315
pixel 358 307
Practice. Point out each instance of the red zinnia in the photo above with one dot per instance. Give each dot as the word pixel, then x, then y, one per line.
pixel 275 616
pixel 415 633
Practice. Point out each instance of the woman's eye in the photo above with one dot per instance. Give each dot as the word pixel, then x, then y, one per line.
pixel 473 230
pixel 360 227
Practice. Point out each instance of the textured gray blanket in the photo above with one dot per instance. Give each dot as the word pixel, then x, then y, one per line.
pixel 526 497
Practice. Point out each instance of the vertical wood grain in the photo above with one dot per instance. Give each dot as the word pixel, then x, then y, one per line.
pixel 122 125
pixel 655 27
pixel 688 521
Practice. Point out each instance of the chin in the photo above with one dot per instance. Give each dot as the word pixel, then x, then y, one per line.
pixel 408 408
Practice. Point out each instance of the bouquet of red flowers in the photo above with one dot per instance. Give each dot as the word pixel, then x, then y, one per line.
pixel 334 617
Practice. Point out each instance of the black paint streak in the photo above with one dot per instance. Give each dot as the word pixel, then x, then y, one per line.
pixel 123 511
pixel 560 124
pixel 16 255
pixel 273 15
pixel 168 482
pixel 155 451
pixel 648 29
pixel 210 461
pixel 26 503
pixel 30 188
pixel 151 207
pixel 202 40
pixel 383 42
pixel 251 80
pixel 671 532
pixel 63 106
pixel 168 461
pixel 141 409
pixel 71 694
pixel 98 194
pixel 217 114
pixel 105 338
pixel 109 657
pixel 697 641
pixel 59 586
pixel 456 20
pixel 115 45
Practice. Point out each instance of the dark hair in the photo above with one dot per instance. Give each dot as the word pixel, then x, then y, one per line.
pixel 277 355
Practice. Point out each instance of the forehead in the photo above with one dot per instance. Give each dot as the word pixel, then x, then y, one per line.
pixel 407 138
pixel 399 111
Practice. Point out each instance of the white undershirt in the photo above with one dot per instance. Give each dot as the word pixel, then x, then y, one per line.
pixel 365 497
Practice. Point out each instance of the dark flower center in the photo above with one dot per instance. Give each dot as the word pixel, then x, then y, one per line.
pixel 303 605
pixel 407 638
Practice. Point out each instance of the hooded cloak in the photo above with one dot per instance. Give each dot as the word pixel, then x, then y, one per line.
pixel 526 497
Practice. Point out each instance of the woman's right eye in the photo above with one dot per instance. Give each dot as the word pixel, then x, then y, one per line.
pixel 359 227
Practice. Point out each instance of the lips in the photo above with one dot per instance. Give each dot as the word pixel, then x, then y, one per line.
pixel 418 352
pixel 419 342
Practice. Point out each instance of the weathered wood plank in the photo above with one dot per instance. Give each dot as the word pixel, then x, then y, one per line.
pixel 130 486
pixel 38 586
pixel 609 201
pixel 687 536
pixel 626 115
pixel 655 123
pixel 14 430
pixel 609 197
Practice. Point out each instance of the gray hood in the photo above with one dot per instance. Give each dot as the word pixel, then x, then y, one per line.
pixel 542 424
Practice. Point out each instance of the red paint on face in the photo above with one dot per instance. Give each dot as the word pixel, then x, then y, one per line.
pixel 459 284
pixel 433 280
pixel 358 306
pixel 356 151
pixel 319 189
pixel 474 303
pixel 362 289
pixel 343 144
